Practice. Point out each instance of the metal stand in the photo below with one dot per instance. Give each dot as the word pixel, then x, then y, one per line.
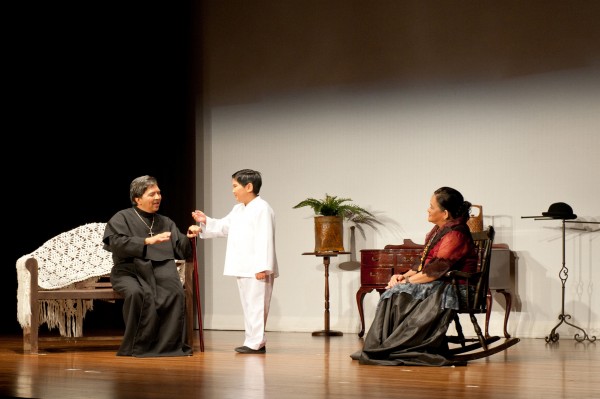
pixel 326 332
pixel 563 275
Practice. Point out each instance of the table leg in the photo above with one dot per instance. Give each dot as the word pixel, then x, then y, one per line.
pixel 508 300
pixel 327 331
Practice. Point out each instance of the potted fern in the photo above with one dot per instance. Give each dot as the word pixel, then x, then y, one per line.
pixel 330 214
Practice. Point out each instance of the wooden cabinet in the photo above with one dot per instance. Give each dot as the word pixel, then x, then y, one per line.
pixel 377 267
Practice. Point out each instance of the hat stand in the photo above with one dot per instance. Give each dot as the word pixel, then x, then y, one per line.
pixel 563 275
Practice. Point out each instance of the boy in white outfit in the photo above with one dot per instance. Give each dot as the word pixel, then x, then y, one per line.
pixel 250 254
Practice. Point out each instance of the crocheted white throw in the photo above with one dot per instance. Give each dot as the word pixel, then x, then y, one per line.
pixel 70 257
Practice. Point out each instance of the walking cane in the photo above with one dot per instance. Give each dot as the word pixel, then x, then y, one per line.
pixel 198 304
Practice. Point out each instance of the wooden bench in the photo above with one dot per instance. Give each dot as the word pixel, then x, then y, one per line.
pixel 100 290
pixel 90 289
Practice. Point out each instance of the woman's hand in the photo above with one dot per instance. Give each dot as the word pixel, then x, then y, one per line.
pixel 395 279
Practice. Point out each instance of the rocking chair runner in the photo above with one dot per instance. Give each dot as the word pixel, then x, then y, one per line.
pixel 475 297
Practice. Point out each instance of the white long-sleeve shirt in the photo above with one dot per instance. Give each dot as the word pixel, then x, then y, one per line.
pixel 250 232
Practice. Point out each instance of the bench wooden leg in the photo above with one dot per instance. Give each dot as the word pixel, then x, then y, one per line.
pixel 27 339
pixel 31 336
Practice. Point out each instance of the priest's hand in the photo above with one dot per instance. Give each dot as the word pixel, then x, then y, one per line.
pixel 158 238
pixel 193 231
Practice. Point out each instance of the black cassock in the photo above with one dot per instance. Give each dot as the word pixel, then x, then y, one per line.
pixel 147 277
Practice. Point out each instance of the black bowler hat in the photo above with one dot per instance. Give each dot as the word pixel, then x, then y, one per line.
pixel 560 210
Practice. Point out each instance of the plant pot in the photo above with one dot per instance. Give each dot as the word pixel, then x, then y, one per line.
pixel 329 234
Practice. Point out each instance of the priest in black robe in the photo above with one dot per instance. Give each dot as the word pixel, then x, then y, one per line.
pixel 145 245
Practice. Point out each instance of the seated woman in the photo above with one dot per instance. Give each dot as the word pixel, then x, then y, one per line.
pixel 413 315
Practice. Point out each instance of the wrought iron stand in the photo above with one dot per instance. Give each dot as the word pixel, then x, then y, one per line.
pixel 563 275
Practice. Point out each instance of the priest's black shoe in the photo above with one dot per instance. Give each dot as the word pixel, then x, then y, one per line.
pixel 245 349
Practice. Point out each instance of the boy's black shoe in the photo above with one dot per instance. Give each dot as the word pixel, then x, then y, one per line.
pixel 245 349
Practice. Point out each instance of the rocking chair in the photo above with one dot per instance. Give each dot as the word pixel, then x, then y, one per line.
pixel 475 297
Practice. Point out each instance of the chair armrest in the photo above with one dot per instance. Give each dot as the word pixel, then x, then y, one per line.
pixel 470 279
pixel 461 274
pixel 470 283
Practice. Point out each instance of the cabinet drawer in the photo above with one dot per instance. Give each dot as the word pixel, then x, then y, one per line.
pixel 401 269
pixel 375 276
pixel 376 258
pixel 408 257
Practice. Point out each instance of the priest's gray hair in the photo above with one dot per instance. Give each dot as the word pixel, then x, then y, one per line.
pixel 139 185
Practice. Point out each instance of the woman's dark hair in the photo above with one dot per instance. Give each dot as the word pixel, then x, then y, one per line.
pixel 452 200
pixel 139 185
pixel 246 176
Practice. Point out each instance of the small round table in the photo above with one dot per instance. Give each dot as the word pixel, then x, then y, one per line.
pixel 326 332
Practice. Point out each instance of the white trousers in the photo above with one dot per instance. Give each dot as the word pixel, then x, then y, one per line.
pixel 256 299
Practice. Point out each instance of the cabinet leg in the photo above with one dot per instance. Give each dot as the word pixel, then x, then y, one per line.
pixel 360 295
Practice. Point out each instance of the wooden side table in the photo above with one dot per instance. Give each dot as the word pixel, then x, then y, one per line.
pixel 326 332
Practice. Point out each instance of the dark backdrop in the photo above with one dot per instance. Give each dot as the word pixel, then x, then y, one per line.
pixel 102 94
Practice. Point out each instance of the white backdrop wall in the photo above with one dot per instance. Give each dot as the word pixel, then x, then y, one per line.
pixel 384 102
pixel 515 147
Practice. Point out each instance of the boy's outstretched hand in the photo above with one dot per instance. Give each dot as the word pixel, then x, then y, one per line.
pixel 199 216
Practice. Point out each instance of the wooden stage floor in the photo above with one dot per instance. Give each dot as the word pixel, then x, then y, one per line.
pixel 296 365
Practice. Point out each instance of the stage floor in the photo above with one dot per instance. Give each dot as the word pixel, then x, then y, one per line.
pixel 296 365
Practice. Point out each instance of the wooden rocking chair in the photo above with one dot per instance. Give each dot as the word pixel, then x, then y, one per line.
pixel 474 298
